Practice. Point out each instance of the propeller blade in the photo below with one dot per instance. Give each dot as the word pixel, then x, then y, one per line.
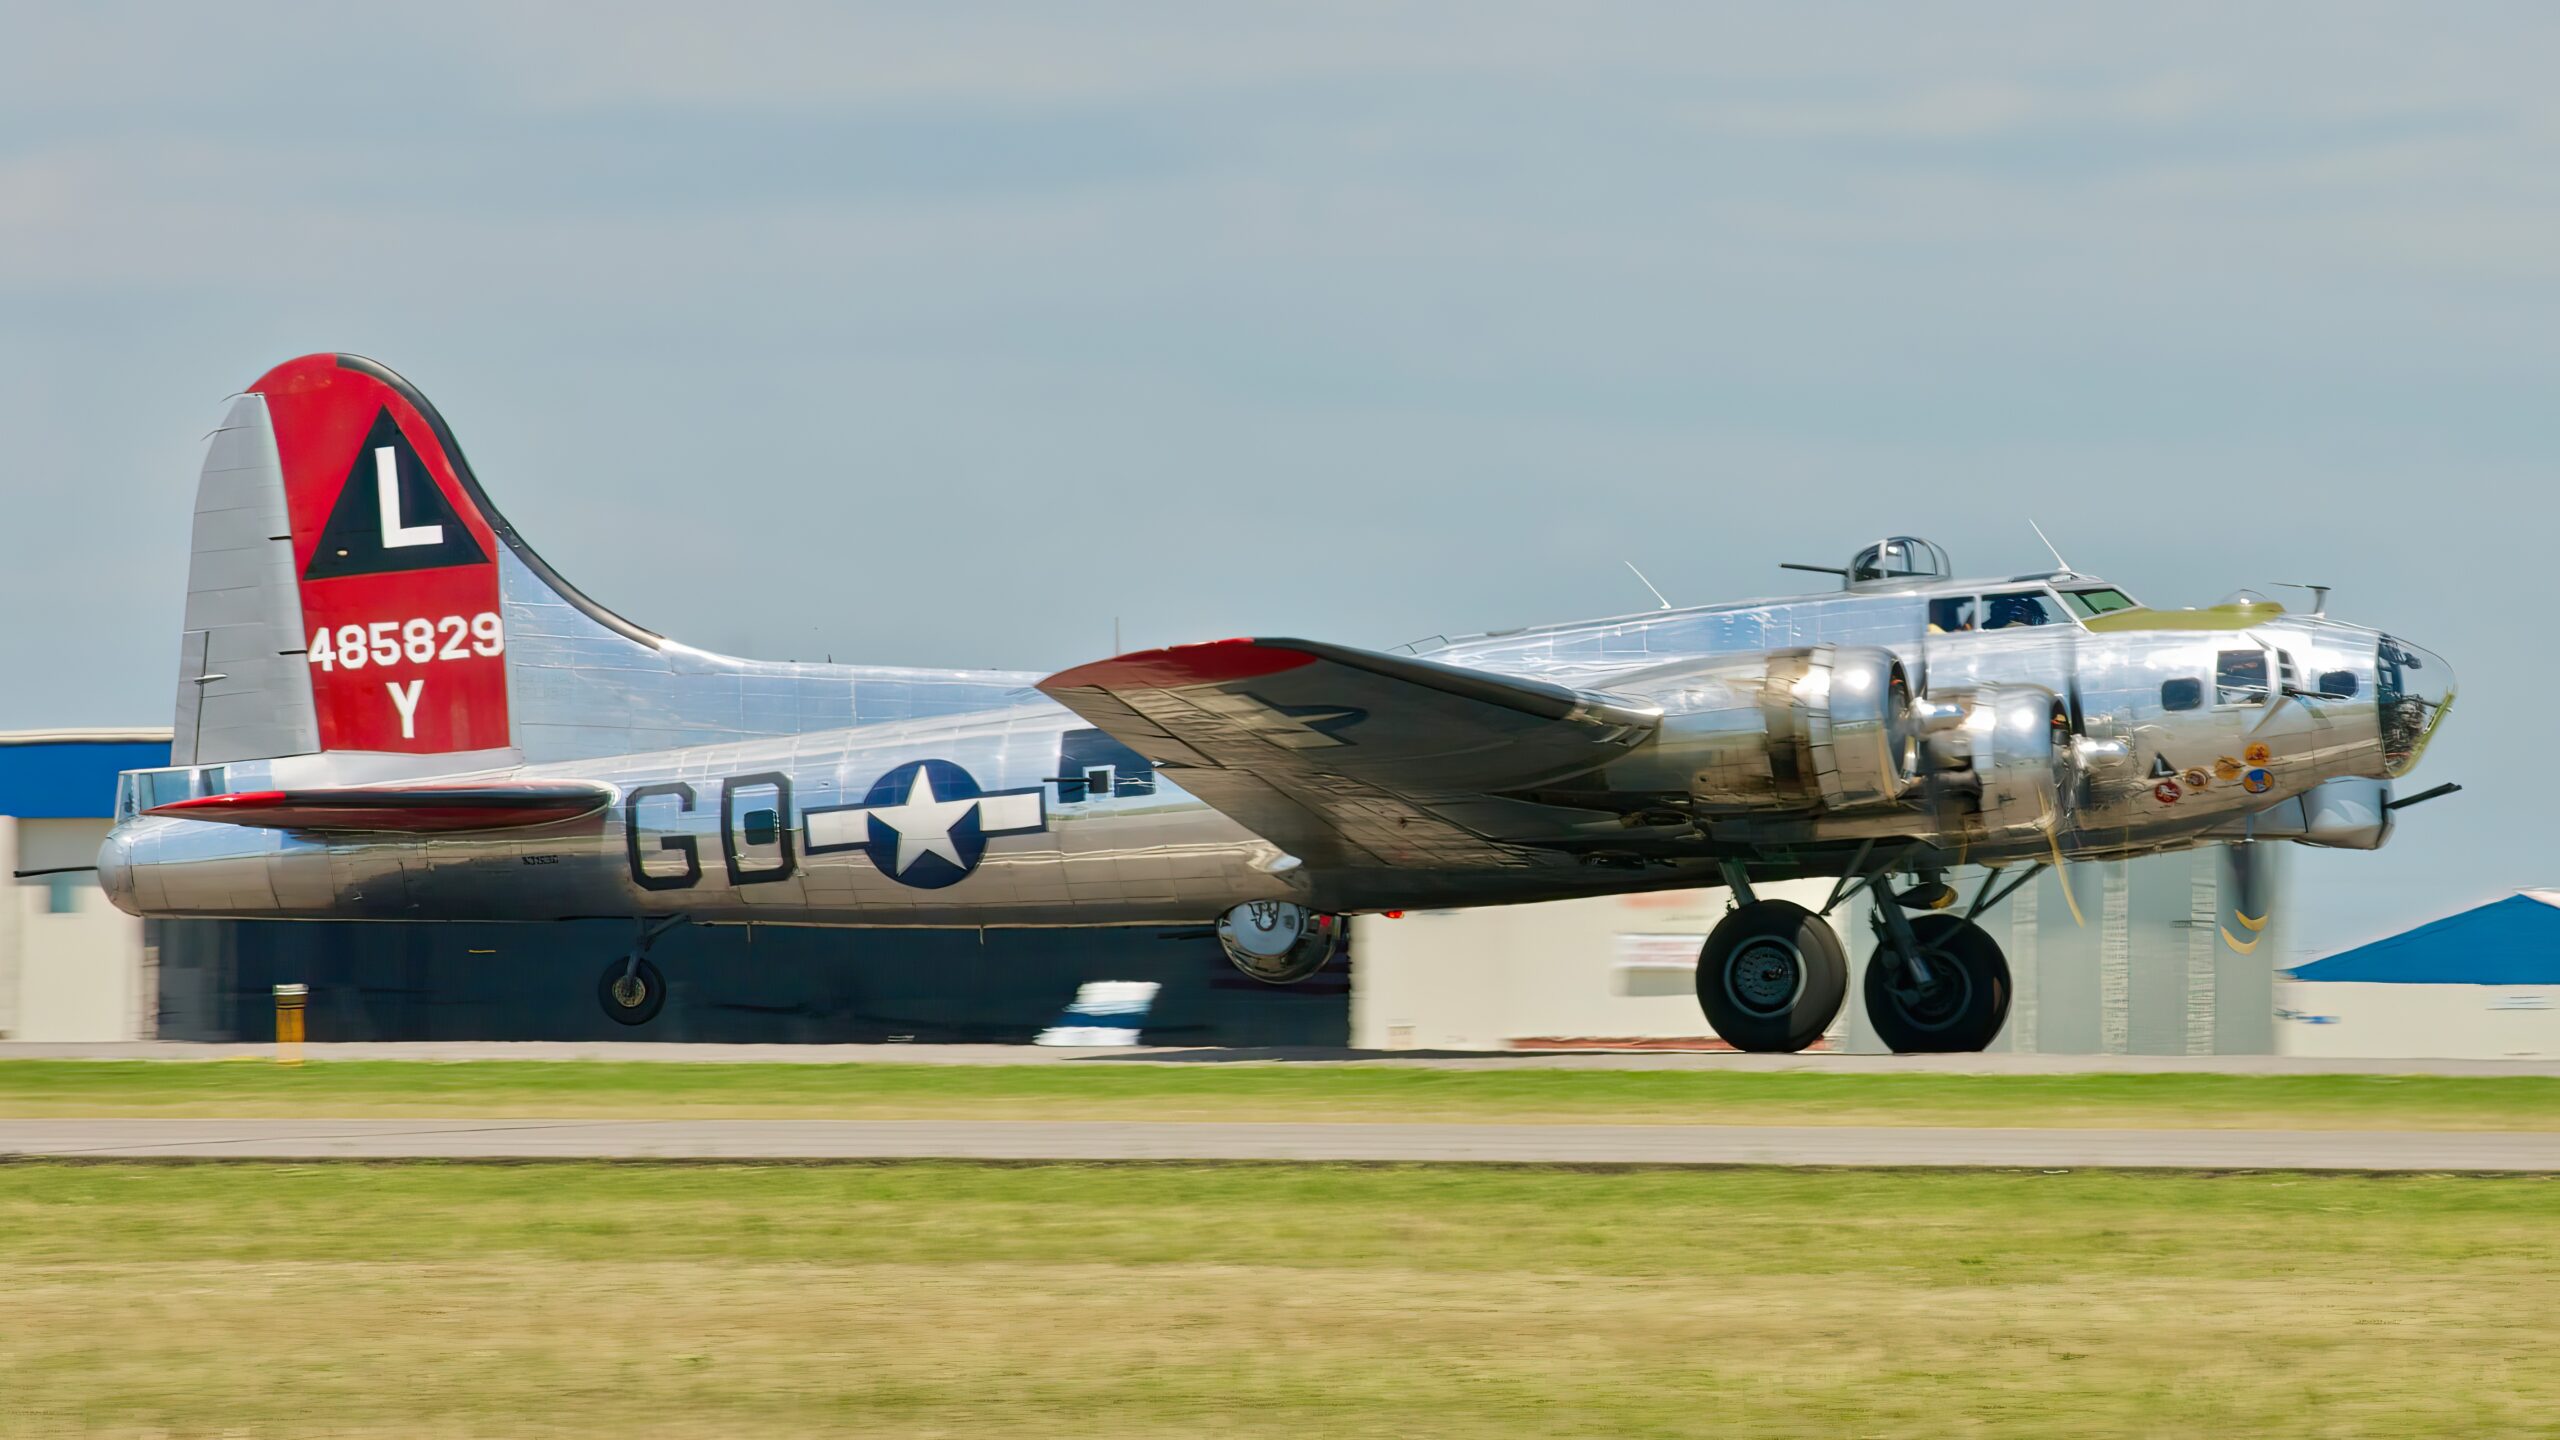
pixel 2247 889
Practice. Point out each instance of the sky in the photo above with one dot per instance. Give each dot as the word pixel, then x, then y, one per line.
pixel 960 335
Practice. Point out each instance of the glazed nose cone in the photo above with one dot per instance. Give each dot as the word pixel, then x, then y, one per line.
pixel 2413 688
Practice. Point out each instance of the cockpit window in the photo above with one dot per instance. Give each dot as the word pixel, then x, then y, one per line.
pixel 1952 614
pixel 2102 601
pixel 2240 678
pixel 2021 607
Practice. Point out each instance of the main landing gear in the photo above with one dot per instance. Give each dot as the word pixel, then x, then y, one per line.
pixel 1772 976
pixel 1936 984
pixel 631 990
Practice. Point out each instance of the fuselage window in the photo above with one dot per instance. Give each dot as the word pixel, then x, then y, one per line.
pixel 2023 607
pixel 1951 615
pixel 2338 684
pixel 2240 678
pixel 155 788
pixel 2181 694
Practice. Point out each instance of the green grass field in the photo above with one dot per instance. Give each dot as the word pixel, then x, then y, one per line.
pixel 583 1089
pixel 942 1299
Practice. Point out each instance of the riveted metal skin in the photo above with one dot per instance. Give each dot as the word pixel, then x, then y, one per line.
pixel 324 663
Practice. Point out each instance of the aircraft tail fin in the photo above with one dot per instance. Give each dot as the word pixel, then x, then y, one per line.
pixel 349 582
pixel 353 590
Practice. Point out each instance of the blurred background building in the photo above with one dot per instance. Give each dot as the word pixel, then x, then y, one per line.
pixel 2132 959
pixel 2484 983
pixel 71 965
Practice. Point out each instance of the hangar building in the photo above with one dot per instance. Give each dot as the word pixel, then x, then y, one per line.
pixel 2481 984
pixel 71 965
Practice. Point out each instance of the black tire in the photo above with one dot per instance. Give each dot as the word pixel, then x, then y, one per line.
pixel 638 1003
pixel 1772 977
pixel 1966 1002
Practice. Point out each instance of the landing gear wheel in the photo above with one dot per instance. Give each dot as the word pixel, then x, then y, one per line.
pixel 1961 1008
pixel 1772 977
pixel 632 992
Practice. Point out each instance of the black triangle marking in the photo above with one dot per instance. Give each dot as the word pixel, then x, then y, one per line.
pixel 2161 769
pixel 354 542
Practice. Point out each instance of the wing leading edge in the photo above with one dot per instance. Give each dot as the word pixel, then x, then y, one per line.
pixel 1340 755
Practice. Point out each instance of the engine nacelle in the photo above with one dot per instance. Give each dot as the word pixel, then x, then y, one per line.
pixel 2008 751
pixel 1825 728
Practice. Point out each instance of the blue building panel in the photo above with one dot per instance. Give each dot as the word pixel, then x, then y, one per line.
pixel 70 779
pixel 2515 941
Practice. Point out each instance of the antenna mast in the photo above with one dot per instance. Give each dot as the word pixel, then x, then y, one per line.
pixel 2048 544
pixel 1657 594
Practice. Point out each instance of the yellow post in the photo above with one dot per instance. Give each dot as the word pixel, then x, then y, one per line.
pixel 289 1000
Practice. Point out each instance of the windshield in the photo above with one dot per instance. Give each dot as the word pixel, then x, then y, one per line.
pixel 2020 607
pixel 2100 601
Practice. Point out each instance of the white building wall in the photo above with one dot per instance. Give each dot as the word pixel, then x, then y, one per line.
pixel 1619 967
pixel 2432 1022
pixel 11 923
pixel 73 974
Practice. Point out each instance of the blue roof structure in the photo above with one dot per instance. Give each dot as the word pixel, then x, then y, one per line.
pixel 2515 941
pixel 71 775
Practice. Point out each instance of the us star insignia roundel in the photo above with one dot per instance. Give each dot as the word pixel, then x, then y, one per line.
pixel 925 823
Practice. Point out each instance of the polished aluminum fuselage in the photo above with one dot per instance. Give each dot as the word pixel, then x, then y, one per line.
pixel 722 771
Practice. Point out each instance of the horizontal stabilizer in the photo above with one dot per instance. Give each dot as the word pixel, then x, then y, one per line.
pixel 411 809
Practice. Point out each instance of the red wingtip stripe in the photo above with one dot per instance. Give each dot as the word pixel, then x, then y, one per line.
pixel 1207 663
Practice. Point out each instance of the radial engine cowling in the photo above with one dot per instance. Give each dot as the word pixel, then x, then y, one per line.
pixel 2005 749
pixel 1826 728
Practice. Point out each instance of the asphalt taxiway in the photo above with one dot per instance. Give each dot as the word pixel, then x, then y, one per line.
pixel 1101 1140
pixel 454 1051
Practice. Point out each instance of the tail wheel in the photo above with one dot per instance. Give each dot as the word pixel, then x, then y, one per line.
pixel 632 992
pixel 1772 977
pixel 1964 1003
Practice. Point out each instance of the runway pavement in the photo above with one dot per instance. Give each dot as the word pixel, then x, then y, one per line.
pixel 1714 1060
pixel 1090 1140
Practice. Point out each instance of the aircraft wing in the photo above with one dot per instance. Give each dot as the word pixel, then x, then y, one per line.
pixel 1347 756
pixel 399 809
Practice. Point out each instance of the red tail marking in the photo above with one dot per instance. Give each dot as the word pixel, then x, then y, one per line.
pixel 401 612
